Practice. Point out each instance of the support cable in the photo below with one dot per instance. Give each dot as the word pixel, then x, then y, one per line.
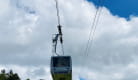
pixel 94 26
pixel 57 8
pixel 59 28
pixel 94 31
pixel 87 45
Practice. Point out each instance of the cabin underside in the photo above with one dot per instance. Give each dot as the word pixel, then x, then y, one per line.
pixel 62 76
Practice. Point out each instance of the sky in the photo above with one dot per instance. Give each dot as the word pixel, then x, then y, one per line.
pixel 27 26
pixel 122 8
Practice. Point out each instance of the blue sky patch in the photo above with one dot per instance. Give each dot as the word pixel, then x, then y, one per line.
pixel 122 8
pixel 82 78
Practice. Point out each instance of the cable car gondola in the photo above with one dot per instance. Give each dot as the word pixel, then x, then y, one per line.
pixel 61 67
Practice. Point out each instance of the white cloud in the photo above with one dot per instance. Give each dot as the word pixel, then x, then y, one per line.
pixel 26 28
pixel 4 6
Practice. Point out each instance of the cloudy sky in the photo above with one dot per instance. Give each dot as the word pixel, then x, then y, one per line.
pixel 27 26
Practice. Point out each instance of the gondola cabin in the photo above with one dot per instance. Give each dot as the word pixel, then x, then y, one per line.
pixel 61 67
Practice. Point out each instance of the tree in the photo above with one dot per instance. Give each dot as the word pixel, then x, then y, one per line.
pixel 28 79
pixel 3 75
pixel 3 71
pixel 8 76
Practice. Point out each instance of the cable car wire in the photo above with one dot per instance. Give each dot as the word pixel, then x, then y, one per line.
pixel 92 33
pixel 87 45
pixel 57 8
pixel 94 26
pixel 94 30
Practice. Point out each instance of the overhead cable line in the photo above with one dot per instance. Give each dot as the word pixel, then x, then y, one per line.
pixel 93 27
pixel 87 45
pixel 57 8
pixel 94 30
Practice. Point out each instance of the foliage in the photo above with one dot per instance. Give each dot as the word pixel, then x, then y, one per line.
pixel 9 76
pixel 28 79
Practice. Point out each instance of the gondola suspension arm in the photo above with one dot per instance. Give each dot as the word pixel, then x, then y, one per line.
pixel 59 35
